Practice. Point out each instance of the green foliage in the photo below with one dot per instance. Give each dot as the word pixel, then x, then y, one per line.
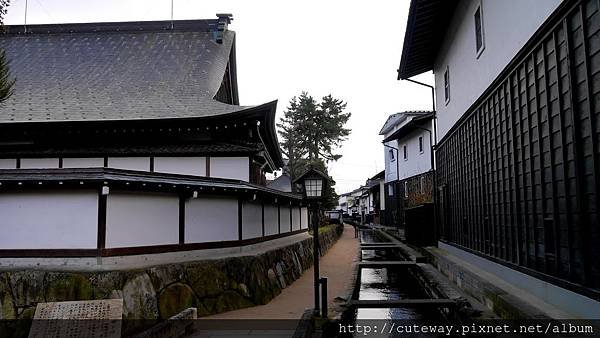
pixel 311 132
pixel 6 83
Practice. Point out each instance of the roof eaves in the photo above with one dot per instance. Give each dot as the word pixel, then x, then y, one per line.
pixel 425 28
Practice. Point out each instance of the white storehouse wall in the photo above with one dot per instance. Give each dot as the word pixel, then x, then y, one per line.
pixel 37 163
pixel 134 219
pixel 271 220
pixel 295 218
pixel 304 218
pixel 507 25
pixel 130 163
pixel 251 220
pixel 8 163
pixel 92 162
pixel 237 168
pixel 49 220
pixel 181 165
pixel 284 218
pixel 416 162
pixel 210 219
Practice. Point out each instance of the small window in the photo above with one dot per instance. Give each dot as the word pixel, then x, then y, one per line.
pixel 405 152
pixel 391 154
pixel 391 190
pixel 479 36
pixel 421 144
pixel 406 189
pixel 447 85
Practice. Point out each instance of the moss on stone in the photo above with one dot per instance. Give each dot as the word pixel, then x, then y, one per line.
pixel 68 287
pixel 207 279
pixel 174 299
pixel 231 300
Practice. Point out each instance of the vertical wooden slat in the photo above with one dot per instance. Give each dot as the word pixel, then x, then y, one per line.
pixel 580 223
pixel 181 220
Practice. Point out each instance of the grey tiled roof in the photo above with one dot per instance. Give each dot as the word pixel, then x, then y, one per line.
pixel 114 75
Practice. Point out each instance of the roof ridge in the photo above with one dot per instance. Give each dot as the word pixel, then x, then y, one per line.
pixel 206 25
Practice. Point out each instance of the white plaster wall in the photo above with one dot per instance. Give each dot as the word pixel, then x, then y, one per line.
pixel 284 218
pixel 251 220
pixel 295 218
pixel 8 163
pixel 417 162
pixel 390 166
pixel 130 163
pixel 237 168
pixel 49 220
pixel 39 163
pixel 271 220
pixel 181 165
pixel 94 162
pixel 304 217
pixel 507 25
pixel 210 219
pixel 138 219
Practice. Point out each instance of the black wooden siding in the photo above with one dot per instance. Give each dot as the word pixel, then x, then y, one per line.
pixel 519 174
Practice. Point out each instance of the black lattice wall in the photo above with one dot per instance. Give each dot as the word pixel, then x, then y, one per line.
pixel 518 176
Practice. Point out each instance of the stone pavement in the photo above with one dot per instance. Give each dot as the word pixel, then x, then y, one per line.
pixel 337 265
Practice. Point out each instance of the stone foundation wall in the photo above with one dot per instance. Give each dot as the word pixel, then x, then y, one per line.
pixel 212 286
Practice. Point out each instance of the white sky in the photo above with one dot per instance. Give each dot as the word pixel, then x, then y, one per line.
pixel 348 48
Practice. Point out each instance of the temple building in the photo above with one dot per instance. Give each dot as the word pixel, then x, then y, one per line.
pixel 128 138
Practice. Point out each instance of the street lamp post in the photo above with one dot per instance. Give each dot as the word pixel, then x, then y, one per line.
pixel 314 183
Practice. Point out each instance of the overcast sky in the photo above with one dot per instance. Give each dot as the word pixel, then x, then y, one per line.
pixel 348 48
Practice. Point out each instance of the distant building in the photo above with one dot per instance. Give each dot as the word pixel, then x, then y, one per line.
pixel 128 138
pixel 518 153
pixel 408 165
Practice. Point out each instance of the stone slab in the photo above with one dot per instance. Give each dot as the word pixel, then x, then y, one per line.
pixel 96 318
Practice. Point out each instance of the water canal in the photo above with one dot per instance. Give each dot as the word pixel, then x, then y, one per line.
pixel 386 289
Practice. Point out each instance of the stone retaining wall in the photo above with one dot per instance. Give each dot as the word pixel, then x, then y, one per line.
pixel 212 286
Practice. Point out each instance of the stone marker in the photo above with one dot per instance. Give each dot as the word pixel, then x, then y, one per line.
pixel 96 318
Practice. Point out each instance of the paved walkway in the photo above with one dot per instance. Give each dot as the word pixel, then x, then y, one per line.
pixel 337 265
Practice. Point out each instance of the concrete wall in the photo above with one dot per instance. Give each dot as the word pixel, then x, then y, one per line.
pixel 209 219
pixel 8 163
pixel 130 163
pixel 237 168
pixel 92 162
pixel 133 219
pixel 181 165
pixel 507 25
pixel 284 218
pixel 38 163
pixel 304 218
pixel 251 220
pixel 49 220
pixel 271 220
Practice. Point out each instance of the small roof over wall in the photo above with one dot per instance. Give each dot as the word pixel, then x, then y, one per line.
pixel 408 125
pixel 425 29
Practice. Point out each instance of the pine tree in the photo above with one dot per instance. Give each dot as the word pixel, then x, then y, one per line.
pixel 310 134
pixel 6 83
